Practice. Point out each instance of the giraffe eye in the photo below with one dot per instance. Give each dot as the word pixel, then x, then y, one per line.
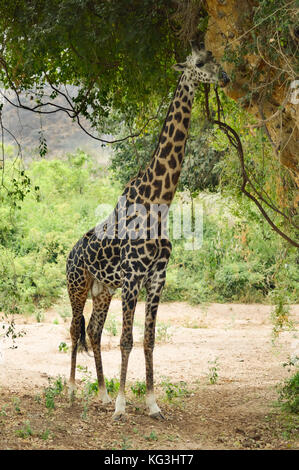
pixel 199 64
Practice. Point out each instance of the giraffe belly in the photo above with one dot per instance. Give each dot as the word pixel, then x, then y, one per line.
pixel 98 287
pixel 102 261
pixel 107 276
pixel 108 260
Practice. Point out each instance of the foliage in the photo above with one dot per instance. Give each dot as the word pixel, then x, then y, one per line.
pixel 111 325
pixel 174 390
pixel 119 52
pixel 115 51
pixel 270 38
pixel 213 371
pixel 121 63
pixel 25 431
pixel 281 313
pixel 91 386
pixel 139 389
pixel 35 241
pixel 289 390
pixel 63 347
pixel 152 436
pixel 240 259
pixel 162 332
pixel 112 385
pixel 54 389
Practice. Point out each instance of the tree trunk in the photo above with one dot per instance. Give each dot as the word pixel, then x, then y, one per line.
pixel 231 25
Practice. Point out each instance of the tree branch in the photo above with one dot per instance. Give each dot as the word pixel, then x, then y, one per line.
pixel 235 141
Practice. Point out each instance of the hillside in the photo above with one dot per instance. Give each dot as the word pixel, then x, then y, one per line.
pixel 61 133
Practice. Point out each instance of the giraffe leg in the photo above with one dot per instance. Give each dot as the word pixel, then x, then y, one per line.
pixel 78 296
pixel 154 290
pixel 101 303
pixel 129 299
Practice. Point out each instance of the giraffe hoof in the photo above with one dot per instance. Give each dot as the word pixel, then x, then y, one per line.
pixel 72 391
pixel 105 400
pixel 118 416
pixel 158 415
pixel 104 397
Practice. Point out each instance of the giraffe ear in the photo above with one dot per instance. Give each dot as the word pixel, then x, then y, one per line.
pixel 180 67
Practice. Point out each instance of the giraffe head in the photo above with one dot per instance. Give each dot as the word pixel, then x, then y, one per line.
pixel 200 66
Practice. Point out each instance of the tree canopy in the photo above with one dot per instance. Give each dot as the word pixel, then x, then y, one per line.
pixel 119 54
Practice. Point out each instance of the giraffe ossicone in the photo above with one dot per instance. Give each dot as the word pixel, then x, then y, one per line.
pixel 111 256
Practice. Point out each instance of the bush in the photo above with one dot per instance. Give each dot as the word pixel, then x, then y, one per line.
pixel 288 391
pixel 238 261
pixel 289 394
pixel 233 279
pixel 36 238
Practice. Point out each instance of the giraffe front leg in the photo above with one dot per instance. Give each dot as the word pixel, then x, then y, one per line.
pixel 129 300
pixel 154 290
pixel 154 410
pixel 149 341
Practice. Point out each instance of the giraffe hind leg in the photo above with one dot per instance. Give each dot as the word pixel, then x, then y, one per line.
pixel 78 288
pixel 154 289
pixel 130 291
pixel 101 298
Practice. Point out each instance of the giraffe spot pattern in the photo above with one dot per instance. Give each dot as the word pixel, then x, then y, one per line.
pixel 178 116
pixel 167 149
pixel 171 130
pixel 160 168
pixel 186 122
pixel 179 135
pixel 172 162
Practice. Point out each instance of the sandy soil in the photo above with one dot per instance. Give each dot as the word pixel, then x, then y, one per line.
pixel 233 341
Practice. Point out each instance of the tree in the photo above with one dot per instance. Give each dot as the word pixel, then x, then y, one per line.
pixel 259 45
pixel 119 54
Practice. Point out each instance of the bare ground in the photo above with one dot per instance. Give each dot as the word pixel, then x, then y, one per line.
pixel 230 345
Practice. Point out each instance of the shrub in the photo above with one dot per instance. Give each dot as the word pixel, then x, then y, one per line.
pixel 289 390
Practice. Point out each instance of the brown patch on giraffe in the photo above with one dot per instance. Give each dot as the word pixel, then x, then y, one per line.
pixel 168 147
pixel 167 196
pixel 171 130
pixel 147 191
pixel 186 121
pixel 167 181
pixel 157 191
pixel 172 162
pixel 175 177
pixel 179 135
pixel 160 168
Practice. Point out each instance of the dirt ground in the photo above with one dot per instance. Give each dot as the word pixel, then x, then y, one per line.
pixel 216 372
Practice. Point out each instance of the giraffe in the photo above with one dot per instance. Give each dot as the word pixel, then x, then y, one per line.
pixel 121 252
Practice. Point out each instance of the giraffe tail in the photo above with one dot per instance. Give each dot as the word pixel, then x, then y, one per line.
pixel 82 340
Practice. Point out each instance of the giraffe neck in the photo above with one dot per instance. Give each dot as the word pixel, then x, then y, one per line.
pixel 160 179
